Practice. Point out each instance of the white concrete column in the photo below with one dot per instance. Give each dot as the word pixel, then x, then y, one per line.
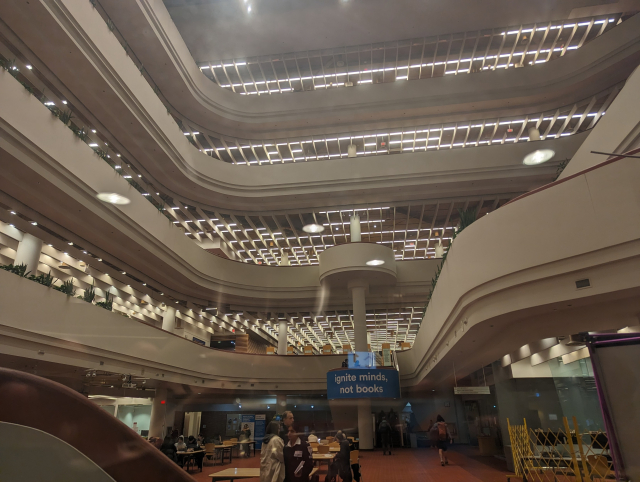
pixel 28 253
pixel 284 260
pixel 169 319
pixel 358 292
pixel 282 337
pixel 365 424
pixel 157 423
pixel 355 229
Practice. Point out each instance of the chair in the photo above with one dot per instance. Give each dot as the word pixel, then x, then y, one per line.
pixel 324 442
pixel 314 444
pixel 354 456
pixel 599 467
pixel 233 439
pixel 210 453
pixel 227 442
pixel 334 444
pixel 330 439
pixel 323 449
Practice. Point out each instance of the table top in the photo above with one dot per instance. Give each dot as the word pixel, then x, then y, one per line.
pixel 235 473
pixel 331 449
pixel 192 452
pixel 324 456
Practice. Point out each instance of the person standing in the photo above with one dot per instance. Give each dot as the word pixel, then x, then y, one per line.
pixel 287 421
pixel 384 429
pixel 245 435
pixel 298 458
pixel 272 455
pixel 443 438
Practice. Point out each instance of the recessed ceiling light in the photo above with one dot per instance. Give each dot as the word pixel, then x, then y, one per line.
pixel 313 228
pixel 113 198
pixel 538 157
pixel 375 262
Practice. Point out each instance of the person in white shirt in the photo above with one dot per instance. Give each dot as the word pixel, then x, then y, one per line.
pixel 271 455
pixel 312 438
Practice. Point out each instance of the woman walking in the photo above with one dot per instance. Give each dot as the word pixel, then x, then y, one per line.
pixel 444 437
pixel 271 455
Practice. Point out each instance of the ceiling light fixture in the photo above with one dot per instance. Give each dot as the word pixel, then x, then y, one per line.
pixel 313 228
pixel 375 262
pixel 538 157
pixel 113 198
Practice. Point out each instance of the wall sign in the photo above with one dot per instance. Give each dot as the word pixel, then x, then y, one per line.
pixel 261 425
pixel 363 383
pixel 471 390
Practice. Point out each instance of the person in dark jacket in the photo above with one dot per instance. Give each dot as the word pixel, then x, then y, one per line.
pixel 385 435
pixel 298 458
pixel 343 458
pixel 287 421
pixel 192 445
pixel 168 448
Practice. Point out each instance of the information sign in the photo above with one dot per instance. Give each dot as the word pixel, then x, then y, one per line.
pixel 261 426
pixel 363 383
pixel 471 390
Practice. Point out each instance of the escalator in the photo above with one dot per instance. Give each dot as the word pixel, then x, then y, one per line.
pixel 47 428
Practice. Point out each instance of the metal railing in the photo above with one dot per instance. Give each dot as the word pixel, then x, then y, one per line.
pixel 411 59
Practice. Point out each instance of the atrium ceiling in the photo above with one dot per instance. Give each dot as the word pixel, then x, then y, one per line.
pixel 459 145
pixel 221 29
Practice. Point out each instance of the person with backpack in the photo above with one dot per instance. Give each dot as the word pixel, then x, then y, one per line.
pixel 443 439
pixel 384 429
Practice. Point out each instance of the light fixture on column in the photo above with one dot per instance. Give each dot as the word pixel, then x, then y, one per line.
pixel 351 150
pixel 375 262
pixel 113 198
pixel 313 228
pixel 538 157
pixel 439 249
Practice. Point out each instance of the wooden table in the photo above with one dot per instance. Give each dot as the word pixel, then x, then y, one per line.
pixel 236 474
pixel 319 458
pixel 224 448
pixel 189 455
pixel 331 449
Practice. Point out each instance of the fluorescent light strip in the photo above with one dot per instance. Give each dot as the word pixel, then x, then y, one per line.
pixel 403 76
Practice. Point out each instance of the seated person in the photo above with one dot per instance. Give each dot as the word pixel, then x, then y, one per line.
pixel 312 437
pixel 193 445
pixel 298 458
pixel 200 439
pixel 343 458
pixel 180 445
pixel 168 448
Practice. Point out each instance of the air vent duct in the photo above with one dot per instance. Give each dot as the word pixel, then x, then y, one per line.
pixel 583 283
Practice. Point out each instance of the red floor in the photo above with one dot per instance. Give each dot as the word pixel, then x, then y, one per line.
pixel 465 465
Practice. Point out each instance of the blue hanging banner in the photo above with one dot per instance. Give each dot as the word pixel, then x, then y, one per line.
pixel 363 383
pixel 261 427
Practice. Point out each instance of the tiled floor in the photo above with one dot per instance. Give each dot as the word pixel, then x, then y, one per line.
pixel 465 465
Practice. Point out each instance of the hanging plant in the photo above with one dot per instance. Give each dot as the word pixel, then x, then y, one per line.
pixel 107 304
pixel 67 288
pixel 19 269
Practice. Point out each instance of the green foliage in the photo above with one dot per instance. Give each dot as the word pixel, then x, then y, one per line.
pixel 19 269
pixel 467 217
pixel 89 294
pixel 65 116
pixel 81 133
pixel 561 167
pixel 43 279
pixel 107 304
pixel 67 288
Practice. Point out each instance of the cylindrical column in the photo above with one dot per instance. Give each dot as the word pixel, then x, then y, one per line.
pixel 359 318
pixel 157 423
pixel 284 260
pixel 282 337
pixel 169 319
pixel 28 253
pixel 365 424
pixel 355 229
